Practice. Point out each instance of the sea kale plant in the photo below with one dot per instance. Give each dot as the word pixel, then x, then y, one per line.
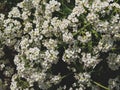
pixel 60 45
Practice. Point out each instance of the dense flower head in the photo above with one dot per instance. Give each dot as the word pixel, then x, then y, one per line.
pixel 45 35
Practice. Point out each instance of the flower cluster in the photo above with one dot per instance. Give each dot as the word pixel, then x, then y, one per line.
pixel 45 33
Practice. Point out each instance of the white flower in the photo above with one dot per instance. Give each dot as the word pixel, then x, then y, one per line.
pixel 35 34
pixel 13 85
pixel 113 61
pixel 71 55
pixel 45 24
pixel 38 76
pixel 20 67
pixel 92 17
pixel 85 38
pixel 72 18
pixel 67 37
pixel 32 53
pixel 28 27
pixel 51 56
pixel 14 13
pixel 105 43
pixel 52 6
pixel 114 83
pixel 78 10
pixel 42 33
pixel 25 15
pixel 64 24
pixel 50 44
pixel 24 43
pixel 2 66
pixel 68 55
pixel 83 78
pixel 2 16
pixel 35 2
pixel 56 79
pixel 90 61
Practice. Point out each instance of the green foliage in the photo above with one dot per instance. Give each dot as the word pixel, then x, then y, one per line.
pixel 21 82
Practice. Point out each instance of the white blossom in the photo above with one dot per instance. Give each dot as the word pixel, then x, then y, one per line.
pixel 32 53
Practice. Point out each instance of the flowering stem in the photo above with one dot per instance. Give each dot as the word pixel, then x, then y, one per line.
pixel 98 84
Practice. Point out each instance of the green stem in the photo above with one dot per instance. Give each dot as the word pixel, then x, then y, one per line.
pixel 65 6
pixel 66 76
pixel 61 12
pixel 116 1
pixel 81 29
pixel 95 33
pixel 98 84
